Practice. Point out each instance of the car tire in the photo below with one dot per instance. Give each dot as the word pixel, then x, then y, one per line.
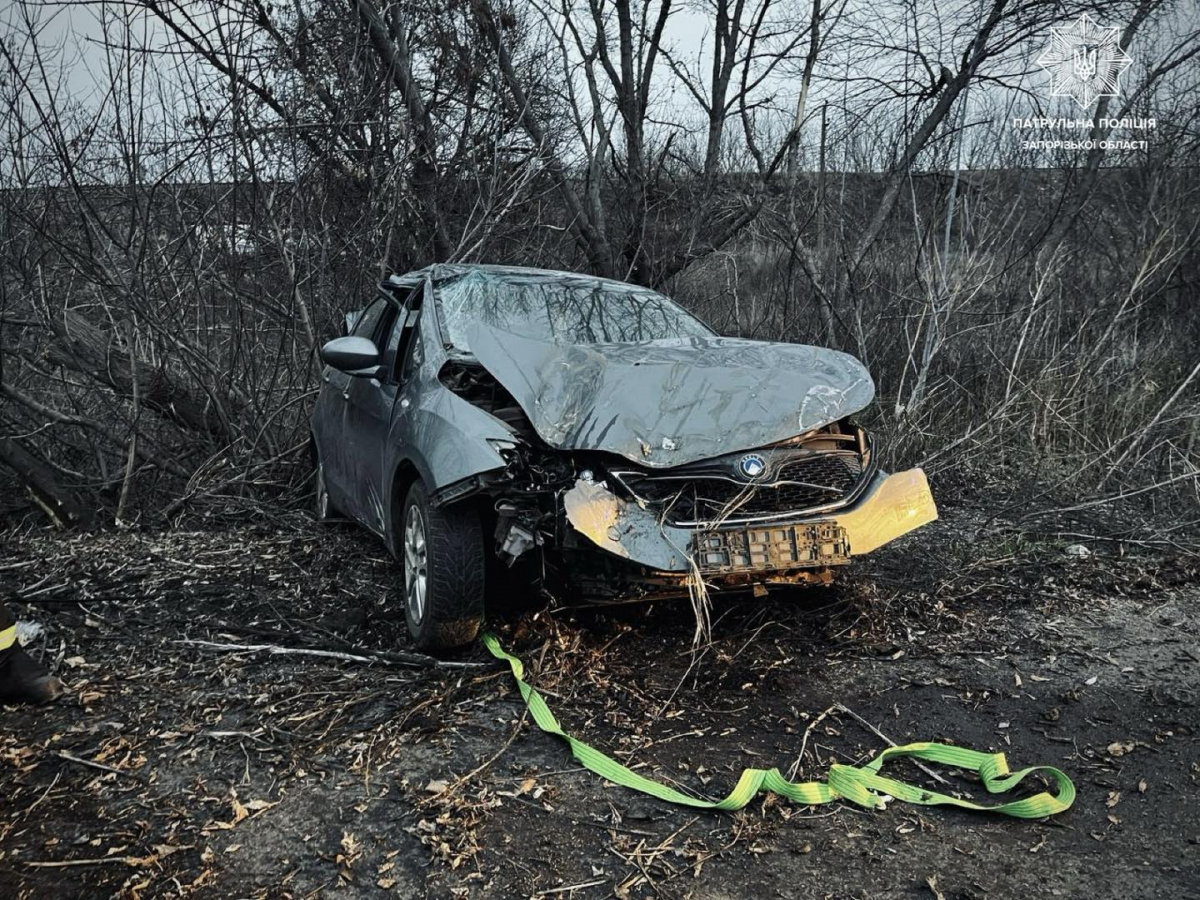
pixel 443 557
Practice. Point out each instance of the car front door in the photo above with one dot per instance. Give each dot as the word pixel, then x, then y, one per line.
pixel 369 410
pixel 338 448
pixel 327 423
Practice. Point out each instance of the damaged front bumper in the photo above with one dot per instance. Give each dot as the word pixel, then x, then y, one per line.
pixel 891 506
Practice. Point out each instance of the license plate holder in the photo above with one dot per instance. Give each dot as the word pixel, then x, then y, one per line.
pixel 759 548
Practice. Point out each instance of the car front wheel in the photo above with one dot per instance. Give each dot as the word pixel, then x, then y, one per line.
pixel 443 556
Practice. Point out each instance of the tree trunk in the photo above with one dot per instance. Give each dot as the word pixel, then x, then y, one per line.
pixel 61 505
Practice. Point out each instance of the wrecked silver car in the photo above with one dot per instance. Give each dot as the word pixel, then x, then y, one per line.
pixel 597 437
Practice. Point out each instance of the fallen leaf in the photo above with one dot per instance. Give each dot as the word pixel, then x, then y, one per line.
pixel 139 862
pixel 1114 797
pixel 239 813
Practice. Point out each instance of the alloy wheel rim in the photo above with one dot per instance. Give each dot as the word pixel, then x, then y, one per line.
pixel 416 568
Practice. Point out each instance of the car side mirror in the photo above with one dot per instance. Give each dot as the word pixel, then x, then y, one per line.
pixel 352 355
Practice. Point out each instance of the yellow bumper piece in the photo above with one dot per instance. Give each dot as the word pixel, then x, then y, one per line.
pixel 899 505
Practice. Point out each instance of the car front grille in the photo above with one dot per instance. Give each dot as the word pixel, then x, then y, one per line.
pixel 797 482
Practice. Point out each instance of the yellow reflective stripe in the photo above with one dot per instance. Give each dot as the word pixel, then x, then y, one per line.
pixel 8 637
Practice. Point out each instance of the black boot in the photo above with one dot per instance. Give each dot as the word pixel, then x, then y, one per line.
pixel 22 680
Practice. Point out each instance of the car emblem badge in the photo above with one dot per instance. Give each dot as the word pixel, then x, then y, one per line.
pixel 751 466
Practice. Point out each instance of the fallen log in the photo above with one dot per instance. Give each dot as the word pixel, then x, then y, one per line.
pixel 61 505
pixel 86 348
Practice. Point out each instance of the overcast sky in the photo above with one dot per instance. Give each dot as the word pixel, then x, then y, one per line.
pixel 79 63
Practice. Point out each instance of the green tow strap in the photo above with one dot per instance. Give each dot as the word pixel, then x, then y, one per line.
pixel 858 784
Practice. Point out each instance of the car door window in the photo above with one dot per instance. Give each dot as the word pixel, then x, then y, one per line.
pixel 409 354
pixel 400 341
pixel 383 333
pixel 393 344
pixel 368 323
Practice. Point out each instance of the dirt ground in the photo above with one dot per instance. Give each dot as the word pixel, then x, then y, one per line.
pixel 177 768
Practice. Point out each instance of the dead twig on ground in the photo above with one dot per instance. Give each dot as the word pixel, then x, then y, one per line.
pixel 486 764
pixel 58 864
pixel 63 754
pixel 883 737
pixel 804 743
pixel 392 659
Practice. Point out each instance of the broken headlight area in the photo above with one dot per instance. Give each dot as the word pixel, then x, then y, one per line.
pixel 522 499
pixel 525 498
pixel 477 386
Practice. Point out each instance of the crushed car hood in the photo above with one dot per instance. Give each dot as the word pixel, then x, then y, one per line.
pixel 670 402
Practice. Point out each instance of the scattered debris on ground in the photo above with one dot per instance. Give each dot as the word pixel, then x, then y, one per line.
pixel 246 718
